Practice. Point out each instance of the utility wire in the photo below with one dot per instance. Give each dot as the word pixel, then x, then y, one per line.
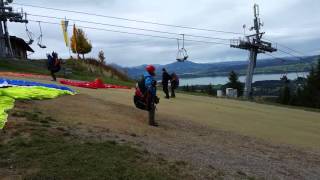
pixel 286 52
pixel 132 33
pixel 286 47
pixel 275 57
pixel 128 27
pixel 126 19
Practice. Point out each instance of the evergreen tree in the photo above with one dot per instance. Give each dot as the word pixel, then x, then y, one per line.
pixel 235 83
pixel 310 95
pixel 317 75
pixel 210 89
pixel 285 95
pixel 80 43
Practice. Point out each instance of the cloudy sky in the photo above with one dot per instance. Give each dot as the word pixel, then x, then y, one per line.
pixel 293 23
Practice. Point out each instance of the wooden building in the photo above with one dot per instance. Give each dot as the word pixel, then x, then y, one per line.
pixel 20 48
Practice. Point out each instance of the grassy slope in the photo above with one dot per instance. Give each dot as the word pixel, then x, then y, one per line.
pixel 41 148
pixel 39 67
pixel 272 123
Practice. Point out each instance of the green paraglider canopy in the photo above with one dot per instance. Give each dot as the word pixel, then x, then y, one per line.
pixel 9 95
pixel 6 103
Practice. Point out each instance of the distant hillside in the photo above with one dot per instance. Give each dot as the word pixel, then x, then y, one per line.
pixel 191 69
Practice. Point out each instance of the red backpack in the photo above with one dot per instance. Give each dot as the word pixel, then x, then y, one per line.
pixel 140 99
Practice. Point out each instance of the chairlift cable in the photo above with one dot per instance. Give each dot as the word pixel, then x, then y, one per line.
pixel 139 34
pixel 128 27
pixel 283 60
pixel 286 47
pixel 127 19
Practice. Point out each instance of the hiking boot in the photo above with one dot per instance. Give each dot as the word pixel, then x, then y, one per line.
pixel 154 124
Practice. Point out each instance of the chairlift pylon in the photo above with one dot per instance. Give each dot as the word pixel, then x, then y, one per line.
pixel 182 54
pixel 40 38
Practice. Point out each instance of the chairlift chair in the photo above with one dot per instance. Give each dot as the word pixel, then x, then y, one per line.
pixel 182 54
pixel 40 38
pixel 30 35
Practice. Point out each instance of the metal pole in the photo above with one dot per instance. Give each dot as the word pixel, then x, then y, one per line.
pixel 2 42
pixel 10 52
pixel 250 71
pixel 2 36
pixel 253 54
pixel 255 45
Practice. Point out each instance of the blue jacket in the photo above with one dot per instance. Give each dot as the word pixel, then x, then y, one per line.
pixel 149 80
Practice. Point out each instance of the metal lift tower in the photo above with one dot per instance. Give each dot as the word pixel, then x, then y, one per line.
pixel 7 14
pixel 255 45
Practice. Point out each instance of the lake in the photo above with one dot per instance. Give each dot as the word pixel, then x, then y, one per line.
pixel 224 79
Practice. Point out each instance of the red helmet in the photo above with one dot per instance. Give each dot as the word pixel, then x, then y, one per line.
pixel 151 69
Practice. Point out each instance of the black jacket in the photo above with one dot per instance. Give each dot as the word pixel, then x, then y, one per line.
pixel 165 78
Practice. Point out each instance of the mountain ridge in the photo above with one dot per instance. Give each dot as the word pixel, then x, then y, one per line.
pixel 191 69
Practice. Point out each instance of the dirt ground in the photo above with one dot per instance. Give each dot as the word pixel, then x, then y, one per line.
pixel 235 137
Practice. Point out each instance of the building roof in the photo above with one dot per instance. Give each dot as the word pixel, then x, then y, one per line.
pixel 20 41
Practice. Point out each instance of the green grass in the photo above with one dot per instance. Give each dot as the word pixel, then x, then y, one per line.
pixel 38 67
pixel 78 72
pixel 256 100
pixel 47 154
pixel 58 159
pixel 195 93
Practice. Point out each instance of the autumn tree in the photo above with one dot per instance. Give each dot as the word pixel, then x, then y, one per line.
pixel 80 43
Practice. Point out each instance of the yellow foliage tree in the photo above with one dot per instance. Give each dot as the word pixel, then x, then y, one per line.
pixel 80 43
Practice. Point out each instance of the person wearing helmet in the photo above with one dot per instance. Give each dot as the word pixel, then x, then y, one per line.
pixel 151 92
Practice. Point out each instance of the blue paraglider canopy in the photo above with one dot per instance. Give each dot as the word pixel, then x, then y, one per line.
pixel 30 83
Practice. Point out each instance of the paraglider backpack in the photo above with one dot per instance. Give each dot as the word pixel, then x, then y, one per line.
pixel 139 98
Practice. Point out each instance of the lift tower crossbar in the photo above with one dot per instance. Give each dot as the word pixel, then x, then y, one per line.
pixel 7 14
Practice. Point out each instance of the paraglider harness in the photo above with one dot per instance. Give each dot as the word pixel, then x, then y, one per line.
pixel 143 99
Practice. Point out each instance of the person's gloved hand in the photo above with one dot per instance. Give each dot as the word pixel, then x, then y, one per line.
pixel 156 100
pixel 154 83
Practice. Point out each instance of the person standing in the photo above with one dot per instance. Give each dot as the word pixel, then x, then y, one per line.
pixel 54 65
pixel 174 84
pixel 151 93
pixel 165 82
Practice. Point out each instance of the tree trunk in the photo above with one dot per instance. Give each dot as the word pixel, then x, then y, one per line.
pixel 82 56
